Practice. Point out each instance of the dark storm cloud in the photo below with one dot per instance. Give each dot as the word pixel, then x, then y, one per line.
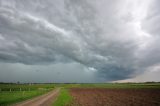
pixel 107 37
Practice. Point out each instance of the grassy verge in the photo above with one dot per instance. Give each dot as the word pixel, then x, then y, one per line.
pixel 7 98
pixel 63 99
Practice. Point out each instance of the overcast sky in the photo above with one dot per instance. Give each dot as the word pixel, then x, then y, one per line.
pixel 79 40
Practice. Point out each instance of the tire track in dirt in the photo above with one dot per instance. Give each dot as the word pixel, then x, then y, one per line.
pixel 43 100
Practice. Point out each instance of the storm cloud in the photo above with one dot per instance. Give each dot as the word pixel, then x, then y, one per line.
pixel 96 40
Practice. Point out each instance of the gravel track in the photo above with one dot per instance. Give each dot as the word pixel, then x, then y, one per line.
pixel 43 100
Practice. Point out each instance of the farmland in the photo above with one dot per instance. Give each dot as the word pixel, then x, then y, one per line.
pixel 111 94
pixel 13 93
pixel 115 97
pixel 80 94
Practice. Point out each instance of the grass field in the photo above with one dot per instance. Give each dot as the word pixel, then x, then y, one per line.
pixel 121 85
pixel 63 99
pixel 109 94
pixel 13 93
pixel 24 87
pixel 111 85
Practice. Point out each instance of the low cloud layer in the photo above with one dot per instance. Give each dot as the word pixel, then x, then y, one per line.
pixel 109 40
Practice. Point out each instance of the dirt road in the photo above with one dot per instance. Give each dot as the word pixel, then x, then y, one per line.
pixel 43 100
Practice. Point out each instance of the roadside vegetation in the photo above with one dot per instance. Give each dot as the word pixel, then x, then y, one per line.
pixel 13 93
pixel 63 99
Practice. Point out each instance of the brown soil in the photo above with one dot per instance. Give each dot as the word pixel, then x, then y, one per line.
pixel 43 100
pixel 115 97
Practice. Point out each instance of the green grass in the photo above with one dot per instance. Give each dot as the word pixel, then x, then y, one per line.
pixel 20 92
pixel 13 93
pixel 7 98
pixel 112 85
pixel 63 99
pixel 121 85
pixel 24 87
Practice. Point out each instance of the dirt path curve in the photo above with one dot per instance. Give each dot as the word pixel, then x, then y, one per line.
pixel 43 100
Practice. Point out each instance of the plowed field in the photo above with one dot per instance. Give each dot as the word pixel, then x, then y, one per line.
pixel 115 97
